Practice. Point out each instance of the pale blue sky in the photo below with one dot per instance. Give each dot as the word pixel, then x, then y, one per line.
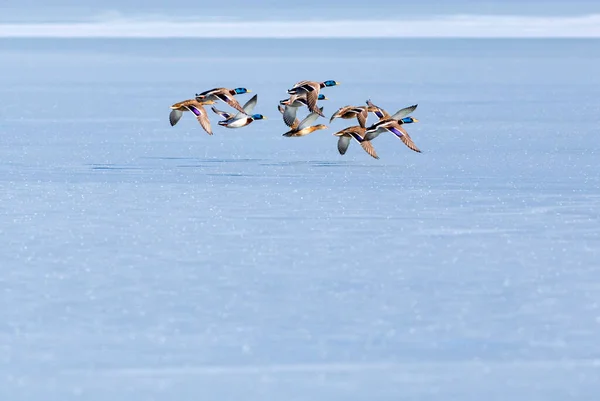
pixel 69 10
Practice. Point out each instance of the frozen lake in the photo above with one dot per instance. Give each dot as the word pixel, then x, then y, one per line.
pixel 141 261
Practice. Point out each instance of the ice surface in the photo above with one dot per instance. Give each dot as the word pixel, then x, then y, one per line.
pixel 149 262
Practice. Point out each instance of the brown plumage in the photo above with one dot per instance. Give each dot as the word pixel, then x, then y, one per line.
pixel 406 138
pixel 357 133
pixel 196 107
pixel 360 112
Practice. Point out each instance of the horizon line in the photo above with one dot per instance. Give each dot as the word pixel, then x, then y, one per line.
pixel 449 26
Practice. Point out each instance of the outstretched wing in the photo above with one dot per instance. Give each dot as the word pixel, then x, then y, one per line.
pixel 343 143
pixel 308 120
pixel 223 114
pixel 250 104
pixel 230 100
pixel 282 111
pixel 404 112
pixel 202 117
pixel 175 116
pixel 379 112
pixel 368 147
pixel 289 116
pixel 362 117
pixel 404 137
pixel 311 101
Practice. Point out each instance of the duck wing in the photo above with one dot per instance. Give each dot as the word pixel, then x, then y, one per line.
pixel 250 104
pixel 378 111
pixel 404 112
pixel 404 137
pixel 223 114
pixel 343 144
pixel 368 147
pixel 308 120
pixel 230 100
pixel 361 116
pixel 289 116
pixel 311 100
pixel 175 116
pixel 202 117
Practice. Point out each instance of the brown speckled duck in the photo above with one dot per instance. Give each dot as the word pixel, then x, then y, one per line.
pixel 357 133
pixel 196 107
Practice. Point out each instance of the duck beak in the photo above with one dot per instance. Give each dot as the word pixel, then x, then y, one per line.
pixel 415 120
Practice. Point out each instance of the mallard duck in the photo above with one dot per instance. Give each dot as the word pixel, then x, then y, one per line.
pixel 225 95
pixel 311 89
pixel 304 128
pixel 240 122
pixel 392 123
pixel 291 107
pixel 240 119
pixel 393 126
pixel 195 107
pixel 357 133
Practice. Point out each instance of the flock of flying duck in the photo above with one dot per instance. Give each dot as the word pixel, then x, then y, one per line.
pixel 303 93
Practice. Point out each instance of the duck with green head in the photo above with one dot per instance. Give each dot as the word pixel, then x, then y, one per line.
pixel 395 128
pixel 241 119
pixel 393 124
pixel 224 95
pixel 311 90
